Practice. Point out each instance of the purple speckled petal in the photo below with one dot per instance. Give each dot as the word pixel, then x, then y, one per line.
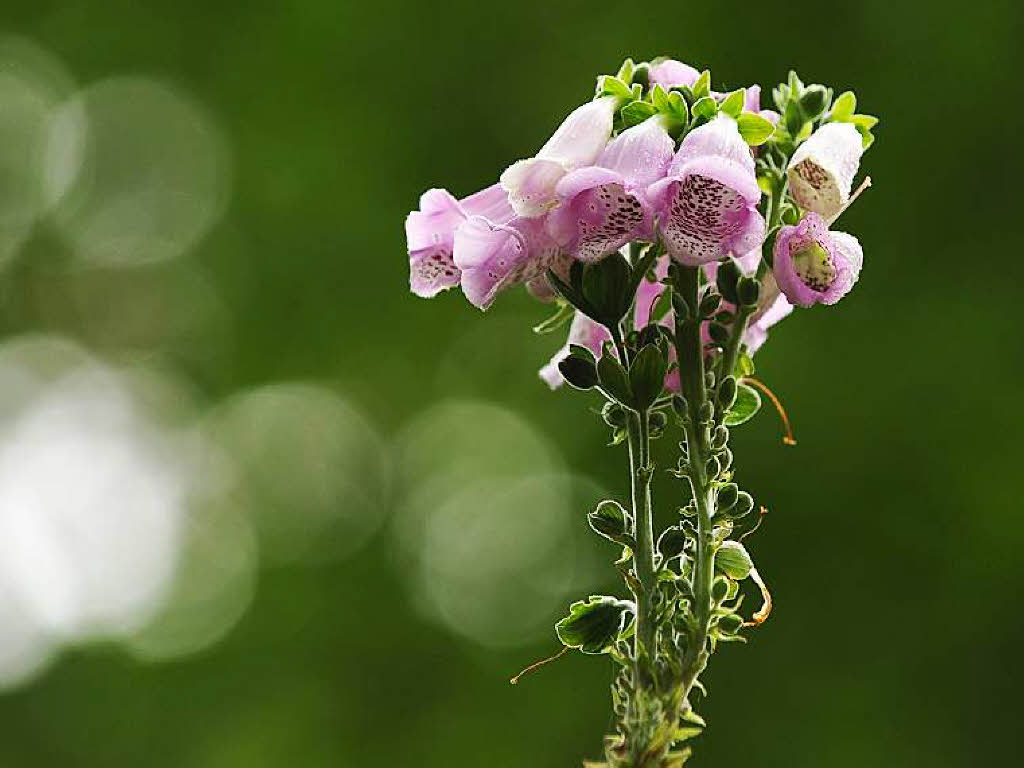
pixel 604 207
pixel 493 257
pixel 430 233
pixel 641 153
pixel 670 73
pixel 822 168
pixel 577 142
pixel 813 265
pixel 708 201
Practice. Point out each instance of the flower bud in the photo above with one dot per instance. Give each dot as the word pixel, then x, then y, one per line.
pixel 726 278
pixel 720 589
pixel 712 468
pixel 709 304
pixel 672 542
pixel 719 438
pixel 727 392
pixel 730 624
pixel 718 333
pixel 679 406
pixel 733 560
pixel 727 496
pixel 614 415
pixel 580 373
pixel 657 422
pixel 610 520
pixel 726 459
pixel 706 412
pixel 747 291
pixel 744 504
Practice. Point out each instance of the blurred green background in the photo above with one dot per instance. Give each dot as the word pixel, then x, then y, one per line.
pixel 376 509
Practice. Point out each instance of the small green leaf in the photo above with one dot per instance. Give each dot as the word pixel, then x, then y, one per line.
pixel 705 107
pixel 754 129
pixel 593 625
pixel 732 105
pixel 659 98
pixel 793 118
pixel 672 542
pixel 636 112
pixel 610 520
pixel 661 306
pixel 864 121
pixel 578 372
pixel 625 73
pixel 647 375
pixel 748 402
pixel 563 314
pixel 843 107
pixel 613 86
pixel 614 380
pixel 812 101
pixel 702 88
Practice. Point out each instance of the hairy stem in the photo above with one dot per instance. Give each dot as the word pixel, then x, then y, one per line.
pixel 689 352
pixel 640 472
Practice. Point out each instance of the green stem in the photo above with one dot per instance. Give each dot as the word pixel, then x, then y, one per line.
pixel 689 353
pixel 639 442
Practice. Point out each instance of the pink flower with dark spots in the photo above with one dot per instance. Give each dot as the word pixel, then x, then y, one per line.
pixel 822 168
pixel 494 256
pixel 708 200
pixel 605 206
pixel 430 234
pixel 814 265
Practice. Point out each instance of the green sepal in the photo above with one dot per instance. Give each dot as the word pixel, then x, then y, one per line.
pixel 613 379
pixel 647 375
pixel 754 129
pixel 748 403
pixel 636 112
pixel 732 105
pixel 733 560
pixel 702 88
pixel 705 108
pixel 843 107
pixel 612 521
pixel 578 373
pixel 593 625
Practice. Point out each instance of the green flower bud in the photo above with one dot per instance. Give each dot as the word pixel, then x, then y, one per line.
pixel 719 438
pixel 672 542
pixel 730 624
pixel 614 415
pixel 679 406
pixel 733 560
pixel 706 412
pixel 610 520
pixel 743 505
pixel 580 373
pixel 748 290
pixel 727 497
pixel 720 589
pixel 709 304
pixel 709 379
pixel 712 467
pixel 657 422
pixel 727 392
pixel 726 279
pixel 726 459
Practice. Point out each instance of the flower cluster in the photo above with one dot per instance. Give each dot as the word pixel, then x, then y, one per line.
pixel 673 225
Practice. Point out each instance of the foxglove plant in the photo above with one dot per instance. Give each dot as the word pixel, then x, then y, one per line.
pixel 673 225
